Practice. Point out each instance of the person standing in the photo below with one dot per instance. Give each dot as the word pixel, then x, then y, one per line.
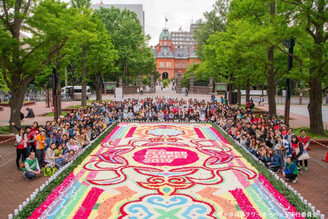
pixel 299 151
pixel 21 150
pixel 40 140
pixel 306 145
pixel 31 167
pixel 282 148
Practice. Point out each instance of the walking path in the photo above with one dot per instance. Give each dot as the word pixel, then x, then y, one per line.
pixel 299 116
pixel 39 108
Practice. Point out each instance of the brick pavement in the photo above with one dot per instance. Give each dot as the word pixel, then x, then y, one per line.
pixel 296 120
pixel 313 182
pixel 15 189
pixel 39 108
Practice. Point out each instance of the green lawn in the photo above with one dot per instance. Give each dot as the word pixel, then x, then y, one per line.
pixel 4 130
pixel 297 131
pixel 76 107
pixel 52 114
pixel 25 101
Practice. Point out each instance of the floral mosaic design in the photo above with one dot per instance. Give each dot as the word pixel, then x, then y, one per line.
pixel 167 170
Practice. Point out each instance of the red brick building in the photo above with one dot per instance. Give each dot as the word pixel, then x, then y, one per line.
pixel 172 59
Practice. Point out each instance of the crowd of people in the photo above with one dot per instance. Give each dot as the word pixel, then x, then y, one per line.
pixel 58 142
pixel 267 138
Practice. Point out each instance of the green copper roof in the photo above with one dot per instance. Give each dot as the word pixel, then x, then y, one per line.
pixel 165 33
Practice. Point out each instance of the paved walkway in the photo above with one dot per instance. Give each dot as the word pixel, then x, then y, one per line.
pixel 299 116
pixel 302 110
pixel 39 108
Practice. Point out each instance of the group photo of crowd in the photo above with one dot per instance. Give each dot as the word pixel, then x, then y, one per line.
pixel 58 142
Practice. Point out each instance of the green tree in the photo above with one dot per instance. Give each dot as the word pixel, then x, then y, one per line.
pixel 143 62
pixel 308 23
pixel 83 39
pixel 31 35
pixel 214 20
pixel 127 37
pixel 101 56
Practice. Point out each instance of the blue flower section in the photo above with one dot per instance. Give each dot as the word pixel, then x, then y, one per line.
pixel 168 132
pixel 174 201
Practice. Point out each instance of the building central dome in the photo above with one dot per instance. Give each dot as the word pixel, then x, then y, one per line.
pixel 165 35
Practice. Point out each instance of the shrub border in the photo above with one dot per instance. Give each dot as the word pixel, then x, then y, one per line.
pixel 42 195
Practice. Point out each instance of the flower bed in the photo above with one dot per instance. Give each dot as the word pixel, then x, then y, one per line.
pixel 169 170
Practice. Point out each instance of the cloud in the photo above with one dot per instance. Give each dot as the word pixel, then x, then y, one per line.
pixel 178 12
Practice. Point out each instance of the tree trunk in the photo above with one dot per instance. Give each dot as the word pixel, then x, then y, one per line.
pixel 84 77
pixel 58 85
pixel 271 73
pixel 230 94
pixel 239 95
pixel 126 72
pixel 316 73
pixel 16 103
pixel 100 94
pixel 59 100
pixel 98 90
pixel 247 89
pixel 271 83
pixel 315 107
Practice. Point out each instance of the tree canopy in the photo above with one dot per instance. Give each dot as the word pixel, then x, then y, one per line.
pixel 246 39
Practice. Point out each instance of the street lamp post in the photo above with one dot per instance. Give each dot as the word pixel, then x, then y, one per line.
pixel 290 45
pixel 231 87
pixel 53 82
pixel 46 91
pixel 301 93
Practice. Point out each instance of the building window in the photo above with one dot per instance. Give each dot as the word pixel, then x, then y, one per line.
pixel 168 64
pixel 162 64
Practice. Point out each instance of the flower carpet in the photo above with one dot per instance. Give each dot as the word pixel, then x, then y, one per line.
pixel 165 170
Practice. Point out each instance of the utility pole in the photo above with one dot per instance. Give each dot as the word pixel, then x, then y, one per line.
pixel 290 45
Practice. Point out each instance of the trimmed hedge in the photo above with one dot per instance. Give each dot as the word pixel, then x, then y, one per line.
pixel 278 185
pixel 42 195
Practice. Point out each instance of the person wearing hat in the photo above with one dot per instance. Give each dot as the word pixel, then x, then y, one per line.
pixel 40 141
pixel 66 129
pixel 282 148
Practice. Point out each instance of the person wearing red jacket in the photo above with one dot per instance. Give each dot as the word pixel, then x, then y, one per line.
pixel 34 132
pixel 21 140
pixel 306 144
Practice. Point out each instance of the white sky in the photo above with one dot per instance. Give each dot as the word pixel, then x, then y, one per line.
pixel 178 12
